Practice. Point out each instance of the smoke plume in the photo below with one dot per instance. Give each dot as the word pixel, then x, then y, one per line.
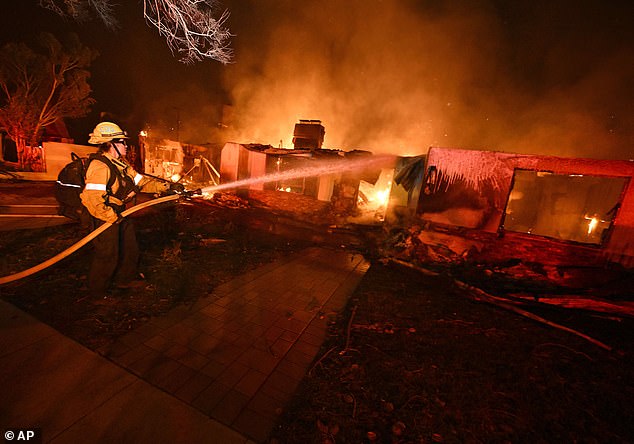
pixel 399 76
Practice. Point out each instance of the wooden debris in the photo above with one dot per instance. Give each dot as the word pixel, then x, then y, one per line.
pixel 621 308
pixel 412 266
pixel 347 347
pixel 480 295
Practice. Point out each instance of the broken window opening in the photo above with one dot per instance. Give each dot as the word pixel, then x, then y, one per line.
pixel 299 185
pixel 570 207
pixel 431 180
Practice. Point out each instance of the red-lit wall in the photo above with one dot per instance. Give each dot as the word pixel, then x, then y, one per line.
pixel 495 170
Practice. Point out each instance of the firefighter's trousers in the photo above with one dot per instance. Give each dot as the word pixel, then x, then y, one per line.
pixel 115 251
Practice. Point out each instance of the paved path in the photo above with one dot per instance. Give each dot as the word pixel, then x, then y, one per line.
pixel 221 370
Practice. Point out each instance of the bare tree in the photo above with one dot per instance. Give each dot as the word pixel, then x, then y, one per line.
pixel 193 29
pixel 39 88
pixel 80 10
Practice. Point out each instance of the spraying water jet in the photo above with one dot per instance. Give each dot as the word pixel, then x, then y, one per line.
pixel 320 168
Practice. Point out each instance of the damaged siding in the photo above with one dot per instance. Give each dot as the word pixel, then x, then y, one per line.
pixel 237 162
pixel 470 189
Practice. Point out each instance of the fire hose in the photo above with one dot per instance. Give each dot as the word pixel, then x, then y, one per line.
pixel 70 250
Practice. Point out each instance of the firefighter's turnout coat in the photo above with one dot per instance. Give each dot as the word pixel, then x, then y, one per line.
pixel 106 199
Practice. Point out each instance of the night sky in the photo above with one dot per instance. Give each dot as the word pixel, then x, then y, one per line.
pixel 545 77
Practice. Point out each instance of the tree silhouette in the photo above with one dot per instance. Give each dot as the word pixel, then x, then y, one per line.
pixel 193 29
pixel 40 87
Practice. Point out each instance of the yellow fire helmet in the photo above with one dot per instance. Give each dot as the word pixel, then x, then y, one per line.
pixel 105 132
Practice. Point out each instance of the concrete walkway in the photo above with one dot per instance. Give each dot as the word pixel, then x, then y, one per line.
pixel 220 371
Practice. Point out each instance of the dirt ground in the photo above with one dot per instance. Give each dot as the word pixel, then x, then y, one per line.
pixel 413 359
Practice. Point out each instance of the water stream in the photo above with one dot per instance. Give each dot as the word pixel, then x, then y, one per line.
pixel 318 169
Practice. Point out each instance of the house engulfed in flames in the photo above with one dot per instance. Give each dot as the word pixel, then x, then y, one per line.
pixel 367 195
pixel 482 206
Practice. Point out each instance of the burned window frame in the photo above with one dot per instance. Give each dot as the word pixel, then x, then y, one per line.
pixel 613 212
pixel 307 186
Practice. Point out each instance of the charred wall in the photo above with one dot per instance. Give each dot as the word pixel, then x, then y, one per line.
pixel 472 189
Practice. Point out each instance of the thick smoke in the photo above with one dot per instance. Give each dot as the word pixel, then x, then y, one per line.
pixel 399 76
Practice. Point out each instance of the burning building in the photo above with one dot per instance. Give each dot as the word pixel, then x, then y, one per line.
pixel 244 161
pixel 351 181
pixel 365 191
pixel 172 160
pixel 551 210
pixel 484 206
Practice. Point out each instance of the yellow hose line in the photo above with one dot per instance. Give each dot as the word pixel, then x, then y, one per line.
pixel 70 250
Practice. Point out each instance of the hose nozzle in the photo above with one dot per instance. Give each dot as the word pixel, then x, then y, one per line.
pixel 191 193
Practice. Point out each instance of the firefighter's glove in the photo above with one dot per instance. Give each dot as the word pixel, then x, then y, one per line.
pixel 191 193
pixel 176 188
pixel 120 219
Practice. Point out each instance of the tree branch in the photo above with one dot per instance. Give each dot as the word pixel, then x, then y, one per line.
pixel 193 29
pixel 190 28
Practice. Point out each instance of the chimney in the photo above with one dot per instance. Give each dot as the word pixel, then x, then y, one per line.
pixel 308 134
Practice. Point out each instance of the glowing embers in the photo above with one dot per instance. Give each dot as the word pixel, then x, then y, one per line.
pixel 577 208
pixel 373 199
pixel 594 222
pixel 373 196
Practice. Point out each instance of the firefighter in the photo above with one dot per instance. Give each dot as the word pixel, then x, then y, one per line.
pixel 110 184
